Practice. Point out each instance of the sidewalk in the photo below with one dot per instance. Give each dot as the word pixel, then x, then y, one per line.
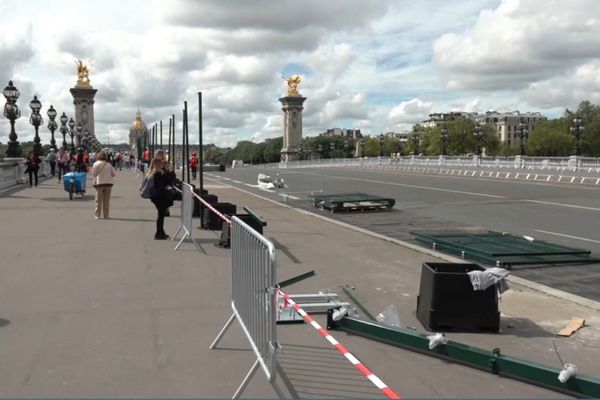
pixel 97 308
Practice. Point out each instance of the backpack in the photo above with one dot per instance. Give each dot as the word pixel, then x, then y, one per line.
pixel 148 190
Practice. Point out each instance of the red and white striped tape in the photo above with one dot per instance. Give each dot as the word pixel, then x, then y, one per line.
pixel 357 364
pixel 207 205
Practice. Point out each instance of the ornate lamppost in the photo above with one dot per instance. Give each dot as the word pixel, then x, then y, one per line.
pixel 72 133
pixel 63 128
pixel 52 125
pixel 478 135
pixel 577 130
pixel 415 139
pixel 36 120
pixel 523 134
pixel 444 139
pixel 12 112
pixel 320 147
pixel 331 149
pixel 381 140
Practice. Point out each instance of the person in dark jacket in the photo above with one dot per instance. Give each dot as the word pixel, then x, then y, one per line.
pixel 163 194
pixel 33 162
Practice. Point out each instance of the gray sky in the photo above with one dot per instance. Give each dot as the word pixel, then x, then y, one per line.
pixel 376 65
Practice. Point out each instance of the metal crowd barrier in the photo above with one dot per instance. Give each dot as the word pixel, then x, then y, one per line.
pixel 187 209
pixel 254 289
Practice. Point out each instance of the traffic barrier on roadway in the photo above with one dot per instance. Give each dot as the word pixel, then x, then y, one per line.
pixel 390 394
pixel 253 289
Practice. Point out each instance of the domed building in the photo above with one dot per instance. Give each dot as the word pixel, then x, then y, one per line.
pixel 138 130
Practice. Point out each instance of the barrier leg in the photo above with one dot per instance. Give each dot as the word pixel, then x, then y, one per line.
pixel 215 342
pixel 177 233
pixel 185 235
pixel 246 380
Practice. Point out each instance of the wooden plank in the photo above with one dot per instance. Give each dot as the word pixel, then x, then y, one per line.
pixel 573 326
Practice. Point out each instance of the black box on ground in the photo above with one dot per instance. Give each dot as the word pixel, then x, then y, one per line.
pixel 447 301
pixel 213 222
pixel 249 219
pixel 209 198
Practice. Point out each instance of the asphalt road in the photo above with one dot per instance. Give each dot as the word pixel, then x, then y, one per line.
pixel 560 214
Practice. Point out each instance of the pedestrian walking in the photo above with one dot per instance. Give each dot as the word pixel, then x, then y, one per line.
pixel 103 173
pixel 33 162
pixel 163 194
pixel 51 158
pixel 193 162
pixel 62 159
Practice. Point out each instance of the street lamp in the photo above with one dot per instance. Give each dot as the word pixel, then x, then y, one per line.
pixel 52 125
pixel 478 135
pixel 36 120
pixel 320 147
pixel 63 128
pixel 444 138
pixel 523 134
pixel 331 149
pixel 415 139
pixel 577 130
pixel 381 139
pixel 72 133
pixel 12 112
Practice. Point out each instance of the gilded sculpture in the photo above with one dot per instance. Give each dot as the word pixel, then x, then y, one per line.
pixel 83 74
pixel 293 82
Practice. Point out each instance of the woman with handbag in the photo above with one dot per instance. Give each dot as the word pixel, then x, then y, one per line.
pixel 33 162
pixel 103 174
pixel 163 194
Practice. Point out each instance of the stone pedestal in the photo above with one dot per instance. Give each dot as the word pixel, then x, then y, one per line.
pixel 292 127
pixel 83 98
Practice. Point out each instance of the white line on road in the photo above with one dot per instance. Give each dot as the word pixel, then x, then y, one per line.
pixel 418 187
pixel 567 236
pixel 551 203
pixel 289 196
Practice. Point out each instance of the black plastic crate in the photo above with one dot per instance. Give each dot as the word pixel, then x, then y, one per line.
pixel 447 301
pixel 213 222
pixel 251 220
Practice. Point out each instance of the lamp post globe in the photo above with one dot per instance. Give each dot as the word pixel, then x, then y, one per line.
pixel 12 113
pixel 577 130
pixel 52 125
pixel 72 134
pixel 36 120
pixel 444 139
pixel 63 128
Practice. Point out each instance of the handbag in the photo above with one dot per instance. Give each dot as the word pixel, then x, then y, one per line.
pixel 148 190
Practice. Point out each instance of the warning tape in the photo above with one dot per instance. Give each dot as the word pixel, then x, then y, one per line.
pixel 211 208
pixel 355 361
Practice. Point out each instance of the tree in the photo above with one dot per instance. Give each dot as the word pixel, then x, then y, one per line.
pixel 590 117
pixel 550 138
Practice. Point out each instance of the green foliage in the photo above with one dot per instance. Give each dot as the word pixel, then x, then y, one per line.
pixel 590 117
pixel 550 138
pixel 316 147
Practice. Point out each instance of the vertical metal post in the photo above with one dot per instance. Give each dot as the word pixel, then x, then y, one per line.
pixel 200 153
pixel 161 144
pixel 169 142
pixel 173 153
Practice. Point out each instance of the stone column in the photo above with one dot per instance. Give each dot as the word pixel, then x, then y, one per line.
pixel 292 127
pixel 83 98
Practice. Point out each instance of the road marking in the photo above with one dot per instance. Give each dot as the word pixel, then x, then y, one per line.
pixel 551 203
pixel 417 187
pixel 288 196
pixel 567 236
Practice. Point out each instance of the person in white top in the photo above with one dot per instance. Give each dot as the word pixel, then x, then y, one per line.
pixel 103 173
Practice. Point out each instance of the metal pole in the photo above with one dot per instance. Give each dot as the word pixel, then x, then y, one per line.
pixel 161 144
pixel 183 159
pixel 200 149
pixel 173 153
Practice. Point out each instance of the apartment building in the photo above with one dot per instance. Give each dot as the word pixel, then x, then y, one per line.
pixel 350 133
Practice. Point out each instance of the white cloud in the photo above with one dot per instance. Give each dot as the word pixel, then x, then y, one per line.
pixel 518 43
pixel 410 112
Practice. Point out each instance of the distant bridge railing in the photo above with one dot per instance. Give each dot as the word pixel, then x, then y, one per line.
pixel 12 172
pixel 558 164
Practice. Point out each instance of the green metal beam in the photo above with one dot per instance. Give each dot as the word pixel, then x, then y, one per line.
pixel 296 279
pixel 486 360
pixel 358 304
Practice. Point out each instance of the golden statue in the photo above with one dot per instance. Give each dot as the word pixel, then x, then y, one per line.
pixel 293 82
pixel 83 74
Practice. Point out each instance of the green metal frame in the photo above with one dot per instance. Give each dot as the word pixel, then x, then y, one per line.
pixel 502 249
pixel 256 217
pixel 491 361
pixel 296 279
pixel 338 202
